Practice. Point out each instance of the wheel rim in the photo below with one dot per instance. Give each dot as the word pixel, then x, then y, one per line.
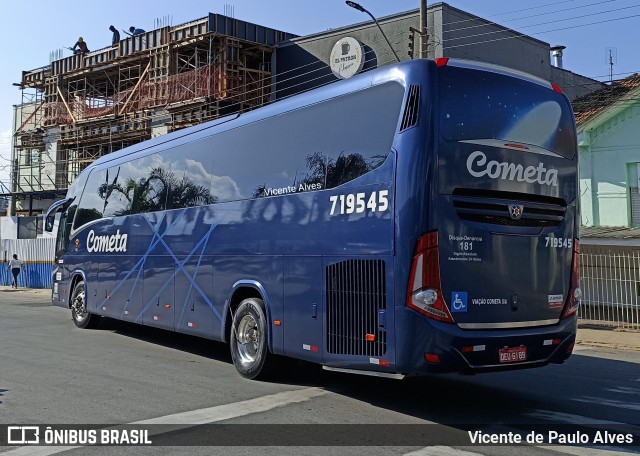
pixel 248 339
pixel 78 308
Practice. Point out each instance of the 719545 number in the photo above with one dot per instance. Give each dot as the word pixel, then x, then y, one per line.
pixel 358 203
pixel 558 243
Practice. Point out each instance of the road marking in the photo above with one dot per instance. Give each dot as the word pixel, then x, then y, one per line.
pixel 441 451
pixel 196 417
pixel 608 402
pixel 570 419
pixel 450 451
pixel 228 411
pixel 582 451
pixel 624 390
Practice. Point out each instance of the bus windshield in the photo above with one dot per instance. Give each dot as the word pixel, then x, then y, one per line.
pixel 487 105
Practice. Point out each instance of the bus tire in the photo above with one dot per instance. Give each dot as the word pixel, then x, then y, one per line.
pixel 79 314
pixel 249 339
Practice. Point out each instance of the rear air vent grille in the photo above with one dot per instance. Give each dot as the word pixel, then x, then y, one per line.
pixel 508 209
pixel 356 295
pixel 410 116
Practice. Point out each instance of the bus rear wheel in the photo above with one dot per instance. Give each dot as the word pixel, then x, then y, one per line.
pixel 249 339
pixel 79 314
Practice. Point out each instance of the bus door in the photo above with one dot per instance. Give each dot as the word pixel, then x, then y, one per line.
pixel 194 312
pixel 194 309
pixel 303 308
pixel 101 281
pixel 159 292
pixel 160 269
pixel 128 291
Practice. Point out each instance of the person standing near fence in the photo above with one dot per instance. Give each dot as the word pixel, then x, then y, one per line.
pixel 15 265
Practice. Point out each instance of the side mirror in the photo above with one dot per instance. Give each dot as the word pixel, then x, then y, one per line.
pixel 50 216
pixel 48 223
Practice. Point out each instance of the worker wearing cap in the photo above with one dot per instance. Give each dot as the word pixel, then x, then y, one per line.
pixel 81 45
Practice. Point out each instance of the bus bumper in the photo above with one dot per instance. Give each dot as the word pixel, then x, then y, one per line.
pixel 428 346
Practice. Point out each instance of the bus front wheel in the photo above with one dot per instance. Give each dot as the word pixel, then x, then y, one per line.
pixel 249 339
pixel 79 314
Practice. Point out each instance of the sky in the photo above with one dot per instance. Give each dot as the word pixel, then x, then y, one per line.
pixel 31 31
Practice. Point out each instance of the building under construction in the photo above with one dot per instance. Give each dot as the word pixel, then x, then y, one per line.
pixel 86 105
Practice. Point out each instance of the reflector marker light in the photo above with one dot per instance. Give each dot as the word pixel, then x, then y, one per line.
pixel 156 318
pixel 517 146
pixel 167 306
pixel 311 348
pixel 474 348
pixel 432 358
pixel 556 88
pixel 442 61
pixel 379 362
pixel 370 337
pixel 552 342
pixel 104 307
pixel 277 323
pixel 574 297
pixel 192 325
pixel 126 312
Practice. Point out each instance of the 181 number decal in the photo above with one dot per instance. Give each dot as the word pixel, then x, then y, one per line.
pixel 358 203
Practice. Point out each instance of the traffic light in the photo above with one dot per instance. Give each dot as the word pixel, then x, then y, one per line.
pixel 412 37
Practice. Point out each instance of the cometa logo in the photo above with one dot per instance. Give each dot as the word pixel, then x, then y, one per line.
pixel 114 243
pixel 478 166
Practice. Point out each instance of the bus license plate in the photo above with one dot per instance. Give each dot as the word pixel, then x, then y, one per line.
pixel 513 354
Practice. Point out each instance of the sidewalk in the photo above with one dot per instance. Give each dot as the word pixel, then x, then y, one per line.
pixel 34 291
pixel 589 335
pixel 607 337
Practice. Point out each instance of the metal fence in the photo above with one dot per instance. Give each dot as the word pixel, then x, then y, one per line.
pixel 610 282
pixel 37 260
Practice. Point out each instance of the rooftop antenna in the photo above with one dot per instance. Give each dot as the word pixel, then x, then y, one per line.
pixel 163 21
pixel 56 54
pixel 229 10
pixel 611 56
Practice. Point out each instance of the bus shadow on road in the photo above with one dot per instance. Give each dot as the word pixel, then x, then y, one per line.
pixel 490 399
pixel 178 341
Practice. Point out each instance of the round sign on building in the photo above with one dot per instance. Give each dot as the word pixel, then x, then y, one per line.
pixel 347 58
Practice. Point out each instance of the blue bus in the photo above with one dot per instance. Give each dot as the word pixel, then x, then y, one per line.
pixel 421 217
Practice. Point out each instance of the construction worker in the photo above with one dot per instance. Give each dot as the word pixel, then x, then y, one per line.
pixel 115 39
pixel 135 31
pixel 81 45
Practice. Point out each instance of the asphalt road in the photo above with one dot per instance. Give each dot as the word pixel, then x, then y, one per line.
pixel 52 373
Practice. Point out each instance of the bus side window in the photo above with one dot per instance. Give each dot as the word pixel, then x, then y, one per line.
pixel 115 192
pixel 91 204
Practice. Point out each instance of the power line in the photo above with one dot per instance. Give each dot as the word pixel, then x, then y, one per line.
pixel 555 21
pixel 528 17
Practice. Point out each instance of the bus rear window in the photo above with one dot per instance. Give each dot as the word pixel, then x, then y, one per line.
pixel 485 105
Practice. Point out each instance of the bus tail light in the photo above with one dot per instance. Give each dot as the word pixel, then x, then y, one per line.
pixel 424 293
pixel 575 293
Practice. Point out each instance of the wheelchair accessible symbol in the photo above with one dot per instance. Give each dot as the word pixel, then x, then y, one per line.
pixel 459 301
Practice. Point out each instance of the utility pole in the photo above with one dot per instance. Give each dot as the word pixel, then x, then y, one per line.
pixel 424 38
